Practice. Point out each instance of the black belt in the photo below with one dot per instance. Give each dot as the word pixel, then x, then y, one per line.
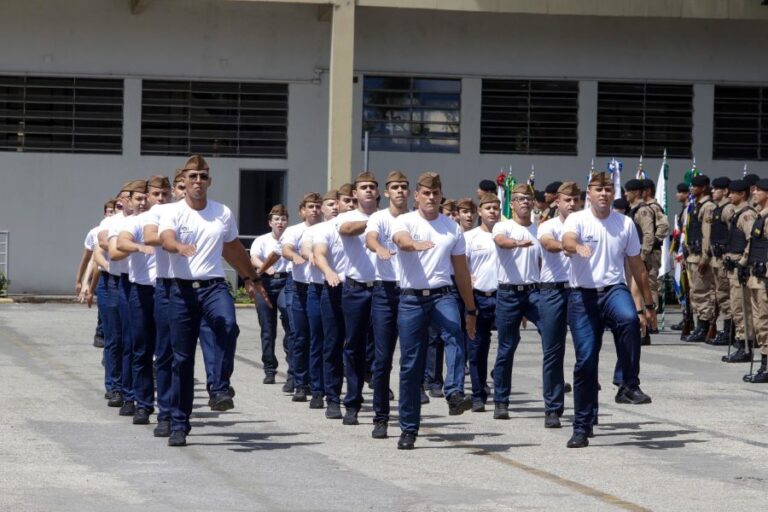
pixel 554 286
pixel 198 283
pixel 166 281
pixel 104 273
pixel 363 285
pixel 276 275
pixel 485 294
pixel 387 284
pixel 427 292
pixel 517 287
pixel 301 286
pixel 114 277
pixel 604 289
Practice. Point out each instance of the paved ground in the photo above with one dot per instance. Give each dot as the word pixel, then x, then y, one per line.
pixel 701 445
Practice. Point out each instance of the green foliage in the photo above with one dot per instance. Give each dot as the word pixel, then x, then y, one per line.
pixel 241 296
pixel 3 284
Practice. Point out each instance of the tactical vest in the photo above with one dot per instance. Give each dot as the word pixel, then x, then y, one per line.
pixel 737 239
pixel 758 246
pixel 695 234
pixel 632 214
pixel 719 234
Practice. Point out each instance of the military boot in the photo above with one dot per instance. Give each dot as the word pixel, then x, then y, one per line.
pixel 699 334
pixel 723 336
pixel 740 356
pixel 761 376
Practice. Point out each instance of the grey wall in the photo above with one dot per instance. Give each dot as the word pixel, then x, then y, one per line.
pixel 49 202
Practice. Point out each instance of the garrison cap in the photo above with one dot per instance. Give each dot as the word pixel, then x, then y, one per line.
pixel 539 196
pixel 178 175
pixel 279 209
pixel 751 179
pixel 138 186
pixel 738 186
pixel 762 185
pixel 569 188
pixel 331 195
pixel 396 176
pixel 633 185
pixel 311 197
pixel 366 176
pixel 345 190
pixel 702 180
pixel 683 187
pixel 489 198
pixel 449 204
pixel 522 188
pixel 601 179
pixel 553 187
pixel 158 181
pixel 196 163
pixel 466 204
pixel 487 186
pixel 430 180
pixel 721 182
pixel 109 204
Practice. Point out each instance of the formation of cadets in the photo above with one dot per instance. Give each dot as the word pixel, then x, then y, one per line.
pixel 348 281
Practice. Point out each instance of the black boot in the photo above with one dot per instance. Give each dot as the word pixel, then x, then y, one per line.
pixel 678 327
pixel 699 334
pixel 740 356
pixel 761 376
pixel 723 337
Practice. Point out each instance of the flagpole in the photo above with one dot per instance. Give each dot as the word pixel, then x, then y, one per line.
pixel 661 193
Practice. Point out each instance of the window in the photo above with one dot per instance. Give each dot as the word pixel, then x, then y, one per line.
pixel 741 123
pixel 412 114
pixel 227 119
pixel 529 117
pixel 61 114
pixel 636 119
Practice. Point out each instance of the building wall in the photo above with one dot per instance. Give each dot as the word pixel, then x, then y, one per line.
pixel 49 201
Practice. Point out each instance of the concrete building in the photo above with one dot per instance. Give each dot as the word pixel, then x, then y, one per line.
pixel 277 95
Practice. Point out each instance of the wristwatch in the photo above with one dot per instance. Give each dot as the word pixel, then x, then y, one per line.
pixel 651 307
pixel 471 312
pixel 254 279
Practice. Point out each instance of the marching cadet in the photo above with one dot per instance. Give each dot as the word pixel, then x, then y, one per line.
pixel 518 295
pixel 142 274
pixel 644 219
pixel 467 214
pixel 483 263
pixel 358 289
pixel 386 295
pixel 756 258
pixel 719 241
pixel 550 197
pixel 661 225
pixel 199 233
pixel 553 303
pixel 275 281
pixel 539 205
pixel 429 245
pixel 740 221
pixel 485 187
pixel 697 245
pixel 601 241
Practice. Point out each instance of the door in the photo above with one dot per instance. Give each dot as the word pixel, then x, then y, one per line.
pixel 259 192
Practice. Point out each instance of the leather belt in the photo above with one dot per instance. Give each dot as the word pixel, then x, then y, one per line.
pixel 387 284
pixel 427 292
pixel 165 281
pixel 276 275
pixel 554 286
pixel 485 294
pixel 603 289
pixel 198 283
pixel 301 286
pixel 363 285
pixel 517 287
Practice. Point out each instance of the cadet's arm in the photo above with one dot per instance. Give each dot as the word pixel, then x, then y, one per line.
pixel 84 260
pixel 127 244
pixel 98 257
pixel 464 284
pixel 151 236
pixel 505 242
pixel 549 243
pixel 353 228
pixel 320 251
pixel 406 243
pixel 268 263
pixel 115 254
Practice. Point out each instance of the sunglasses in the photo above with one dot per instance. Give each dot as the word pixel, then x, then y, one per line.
pixel 194 176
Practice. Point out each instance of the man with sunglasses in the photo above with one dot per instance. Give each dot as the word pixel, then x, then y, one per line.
pixel 600 241
pixel 199 232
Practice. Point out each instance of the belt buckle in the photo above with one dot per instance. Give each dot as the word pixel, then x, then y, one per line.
pixel 368 284
pixel 196 284
pixel 601 290
pixel 519 287
pixel 425 293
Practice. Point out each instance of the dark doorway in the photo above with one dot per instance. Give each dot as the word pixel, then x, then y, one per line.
pixel 259 192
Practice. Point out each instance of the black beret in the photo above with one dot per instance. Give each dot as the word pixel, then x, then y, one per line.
pixel 539 196
pixel 762 184
pixel 721 182
pixel 488 186
pixel 683 187
pixel 751 179
pixel 633 184
pixel 702 180
pixel 648 184
pixel 738 186
pixel 621 204
pixel 552 187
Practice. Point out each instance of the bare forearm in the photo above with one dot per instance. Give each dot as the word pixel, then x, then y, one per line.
pixel 570 243
pixel 151 237
pixel 355 228
pixel 126 243
pixel 550 244
pixel 169 242
pixel 234 253
pixel 83 265
pixel 372 242
pixel 463 281
pixel 267 264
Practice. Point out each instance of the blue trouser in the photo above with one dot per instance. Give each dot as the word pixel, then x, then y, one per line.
pixel 553 310
pixel 433 366
pixel 188 307
pixel 143 338
pixel 356 303
pixel 102 300
pixel 124 298
pixel 511 307
pixel 333 342
pixel 267 316
pixel 479 346
pixel 113 344
pixel 308 364
pixel 285 304
pixel 589 313
pixel 415 314
pixel 384 305
pixel 99 316
pixel 163 349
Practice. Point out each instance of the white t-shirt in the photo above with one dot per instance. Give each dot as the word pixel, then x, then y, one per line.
pixel 611 240
pixel 381 223
pixel 92 240
pixel 262 247
pixel 555 266
pixel 207 229
pixel 431 268
pixel 521 264
pixel 141 267
pixel 327 233
pixel 361 263
pixel 482 259
pixel 294 236
pixel 162 259
pixel 114 225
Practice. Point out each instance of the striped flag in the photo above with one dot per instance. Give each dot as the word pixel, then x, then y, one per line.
pixel 661 198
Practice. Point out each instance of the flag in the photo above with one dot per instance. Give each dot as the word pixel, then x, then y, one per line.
pixel 501 191
pixel 509 185
pixel 640 175
pixel 586 187
pixel 615 167
pixel 532 181
pixel 661 198
pixel 688 177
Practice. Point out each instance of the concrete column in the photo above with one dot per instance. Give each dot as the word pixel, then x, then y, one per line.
pixel 703 125
pixel 341 92
pixel 587 128
pixel 132 117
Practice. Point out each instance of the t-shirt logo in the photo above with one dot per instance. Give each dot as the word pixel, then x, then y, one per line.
pixel 416 236
pixel 184 230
